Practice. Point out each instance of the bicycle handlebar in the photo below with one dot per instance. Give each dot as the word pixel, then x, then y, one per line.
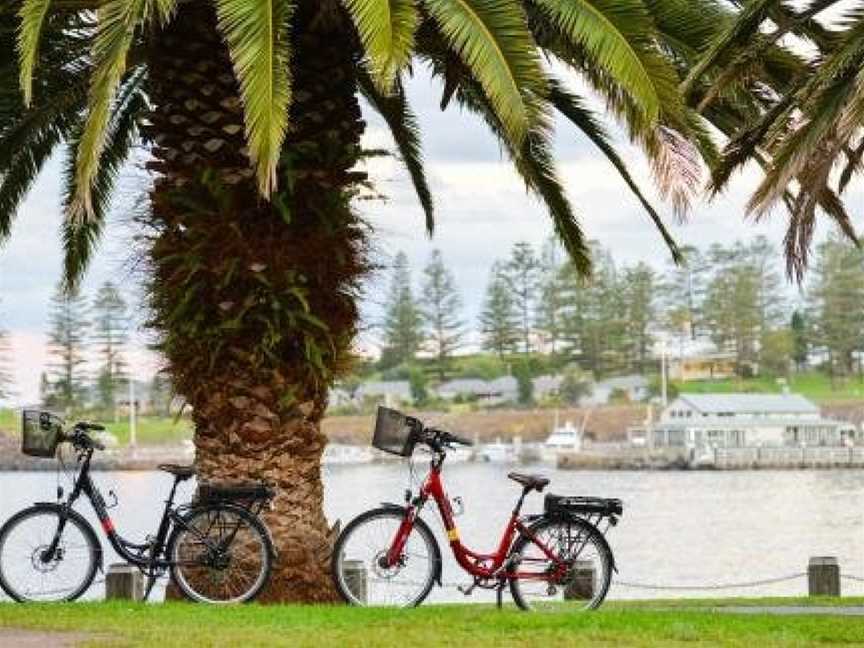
pixel 80 439
pixel 436 438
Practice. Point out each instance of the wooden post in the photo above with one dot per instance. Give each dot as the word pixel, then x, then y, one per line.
pixel 123 581
pixel 823 576
pixel 581 586
pixel 355 578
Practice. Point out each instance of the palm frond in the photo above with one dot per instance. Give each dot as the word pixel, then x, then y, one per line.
pixel 491 37
pixel 571 107
pixel 118 22
pixel 81 238
pixel 394 109
pixel 535 163
pixel 258 40
pixel 739 31
pixel 32 15
pixel 612 33
pixel 386 28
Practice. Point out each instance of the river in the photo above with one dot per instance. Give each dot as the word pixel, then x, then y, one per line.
pixel 679 528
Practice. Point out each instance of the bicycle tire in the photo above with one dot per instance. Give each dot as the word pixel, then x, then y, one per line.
pixel 397 514
pixel 600 583
pixel 259 534
pixel 94 551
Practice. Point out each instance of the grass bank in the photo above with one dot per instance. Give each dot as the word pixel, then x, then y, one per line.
pixel 814 385
pixel 166 626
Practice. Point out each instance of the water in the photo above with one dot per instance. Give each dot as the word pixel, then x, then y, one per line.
pixel 678 528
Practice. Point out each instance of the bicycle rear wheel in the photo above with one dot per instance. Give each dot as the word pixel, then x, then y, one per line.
pixel 544 586
pixel 363 579
pixel 41 562
pixel 220 554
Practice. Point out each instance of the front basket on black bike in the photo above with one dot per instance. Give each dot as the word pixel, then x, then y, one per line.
pixel 40 433
pixel 394 432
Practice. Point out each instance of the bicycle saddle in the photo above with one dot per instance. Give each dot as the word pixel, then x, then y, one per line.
pixel 180 472
pixel 537 482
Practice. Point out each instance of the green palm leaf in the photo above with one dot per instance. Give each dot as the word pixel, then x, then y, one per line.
pixel 491 37
pixel 81 238
pixel 406 133
pixel 258 40
pixel 386 28
pixel 32 15
pixel 572 108
pixel 118 21
pixel 611 31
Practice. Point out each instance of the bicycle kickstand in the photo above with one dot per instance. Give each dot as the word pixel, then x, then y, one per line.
pixel 499 593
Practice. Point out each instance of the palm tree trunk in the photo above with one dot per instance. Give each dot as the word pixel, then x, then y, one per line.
pixel 255 302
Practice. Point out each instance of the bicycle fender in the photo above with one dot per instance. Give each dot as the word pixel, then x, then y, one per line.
pixel 439 562
pixel 62 510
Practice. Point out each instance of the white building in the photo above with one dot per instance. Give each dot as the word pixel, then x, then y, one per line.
pixel 747 420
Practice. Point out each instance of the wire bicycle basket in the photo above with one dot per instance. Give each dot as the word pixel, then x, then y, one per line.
pixel 394 432
pixel 40 433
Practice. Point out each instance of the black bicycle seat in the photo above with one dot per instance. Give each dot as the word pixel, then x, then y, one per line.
pixel 537 482
pixel 180 472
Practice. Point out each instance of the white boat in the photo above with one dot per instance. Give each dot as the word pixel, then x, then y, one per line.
pixel 497 452
pixel 564 438
pixel 341 453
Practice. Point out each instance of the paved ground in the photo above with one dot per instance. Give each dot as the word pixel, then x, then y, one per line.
pixel 12 638
pixel 794 609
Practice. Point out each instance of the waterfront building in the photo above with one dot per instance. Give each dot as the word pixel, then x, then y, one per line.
pixel 705 421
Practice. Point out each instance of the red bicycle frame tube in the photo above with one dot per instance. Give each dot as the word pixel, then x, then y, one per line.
pixel 479 565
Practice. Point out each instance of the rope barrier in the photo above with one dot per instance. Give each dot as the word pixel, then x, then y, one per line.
pixel 723 586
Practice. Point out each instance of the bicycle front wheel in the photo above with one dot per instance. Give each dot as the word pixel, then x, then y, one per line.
pixel 220 554
pixel 577 578
pixel 361 573
pixel 47 555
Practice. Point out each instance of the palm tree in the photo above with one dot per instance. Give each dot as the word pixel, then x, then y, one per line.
pixel 809 133
pixel 250 116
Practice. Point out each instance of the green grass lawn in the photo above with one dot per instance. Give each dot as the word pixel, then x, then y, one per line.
pixel 813 385
pixel 176 624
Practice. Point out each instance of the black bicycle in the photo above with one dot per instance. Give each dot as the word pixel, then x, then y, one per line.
pixel 215 549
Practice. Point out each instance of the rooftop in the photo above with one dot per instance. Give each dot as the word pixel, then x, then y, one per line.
pixel 750 403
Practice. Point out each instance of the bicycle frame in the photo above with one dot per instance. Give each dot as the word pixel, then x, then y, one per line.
pixel 481 566
pixel 131 552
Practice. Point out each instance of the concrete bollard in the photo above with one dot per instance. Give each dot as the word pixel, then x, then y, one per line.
pixel 581 586
pixel 124 582
pixel 355 578
pixel 823 576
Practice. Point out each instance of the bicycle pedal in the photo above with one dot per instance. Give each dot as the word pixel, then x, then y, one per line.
pixel 467 590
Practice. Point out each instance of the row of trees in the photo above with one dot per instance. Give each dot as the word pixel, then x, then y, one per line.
pixel 87 345
pixel 733 295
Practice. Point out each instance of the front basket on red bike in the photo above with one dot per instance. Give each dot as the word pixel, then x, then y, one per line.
pixel 394 432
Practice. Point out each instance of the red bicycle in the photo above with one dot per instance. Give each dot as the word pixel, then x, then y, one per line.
pixel 558 560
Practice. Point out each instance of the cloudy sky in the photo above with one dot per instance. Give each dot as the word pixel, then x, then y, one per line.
pixel 482 211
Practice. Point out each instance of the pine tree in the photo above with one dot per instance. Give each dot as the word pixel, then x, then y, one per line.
pixel 402 320
pixel 800 340
pixel 550 320
pixel 110 337
pixel 523 274
pixel 836 304
pixel 683 291
pixel 440 305
pixel 498 317
pixel 639 284
pixel 67 338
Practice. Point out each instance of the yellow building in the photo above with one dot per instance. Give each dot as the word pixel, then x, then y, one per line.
pixel 705 366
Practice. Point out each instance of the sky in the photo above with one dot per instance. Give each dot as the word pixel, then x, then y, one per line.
pixel 482 210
